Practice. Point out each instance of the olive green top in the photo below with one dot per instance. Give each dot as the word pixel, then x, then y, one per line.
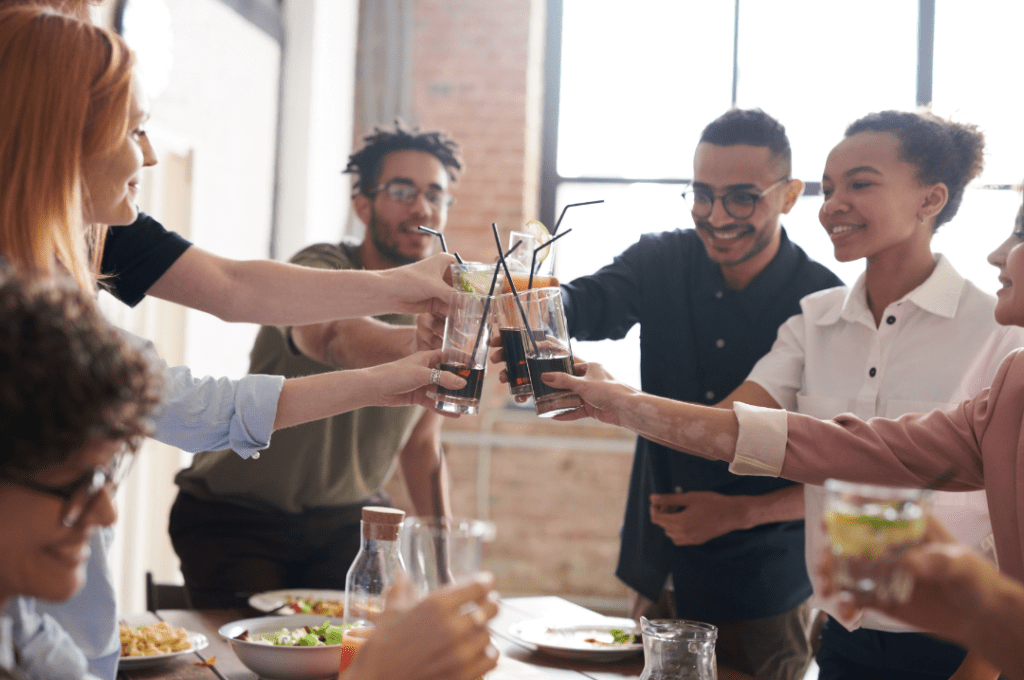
pixel 335 461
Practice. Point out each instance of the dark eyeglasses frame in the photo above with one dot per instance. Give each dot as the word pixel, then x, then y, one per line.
pixel 79 495
pixel 439 198
pixel 728 199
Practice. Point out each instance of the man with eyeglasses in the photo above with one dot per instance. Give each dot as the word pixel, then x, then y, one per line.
pixel 293 519
pixel 698 541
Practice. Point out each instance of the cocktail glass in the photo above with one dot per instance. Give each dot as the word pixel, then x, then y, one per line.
pixel 547 349
pixel 472 277
pixel 467 331
pixel 869 528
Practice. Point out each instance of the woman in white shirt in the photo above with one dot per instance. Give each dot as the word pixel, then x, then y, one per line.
pixel 901 340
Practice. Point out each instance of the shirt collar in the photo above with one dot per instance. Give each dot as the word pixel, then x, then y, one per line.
pixel 938 295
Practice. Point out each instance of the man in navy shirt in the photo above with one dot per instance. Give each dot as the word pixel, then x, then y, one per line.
pixel 709 302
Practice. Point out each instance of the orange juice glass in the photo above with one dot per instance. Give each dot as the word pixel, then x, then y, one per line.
pixel 352 641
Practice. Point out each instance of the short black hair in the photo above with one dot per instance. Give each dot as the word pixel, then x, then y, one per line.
pixel 939 149
pixel 67 377
pixel 367 163
pixel 753 127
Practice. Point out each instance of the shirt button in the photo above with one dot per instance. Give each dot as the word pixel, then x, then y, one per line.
pixel 872 372
pixel 679 489
pixel 891 320
pixel 710 395
pixel 719 343
pixel 255 456
pixel 719 295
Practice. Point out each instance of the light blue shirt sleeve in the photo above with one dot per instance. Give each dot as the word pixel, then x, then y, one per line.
pixel 209 414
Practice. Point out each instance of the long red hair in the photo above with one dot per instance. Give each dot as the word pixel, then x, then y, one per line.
pixel 65 92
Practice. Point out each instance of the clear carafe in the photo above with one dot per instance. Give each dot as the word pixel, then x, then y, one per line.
pixel 678 650
pixel 376 565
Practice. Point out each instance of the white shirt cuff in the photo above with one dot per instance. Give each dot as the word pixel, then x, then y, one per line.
pixel 761 443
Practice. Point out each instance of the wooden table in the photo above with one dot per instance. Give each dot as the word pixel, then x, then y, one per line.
pixel 517 662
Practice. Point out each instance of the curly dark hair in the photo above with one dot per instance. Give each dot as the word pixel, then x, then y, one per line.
pixel 367 163
pixel 67 377
pixel 940 149
pixel 753 127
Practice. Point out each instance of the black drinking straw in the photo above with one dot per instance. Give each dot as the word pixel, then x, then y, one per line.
pixel 487 304
pixel 533 260
pixel 444 246
pixel 512 287
pixel 571 205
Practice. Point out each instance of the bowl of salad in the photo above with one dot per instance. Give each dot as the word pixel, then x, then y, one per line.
pixel 301 647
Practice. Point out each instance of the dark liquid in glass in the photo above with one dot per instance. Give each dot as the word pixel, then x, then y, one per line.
pixel 515 357
pixel 474 382
pixel 538 366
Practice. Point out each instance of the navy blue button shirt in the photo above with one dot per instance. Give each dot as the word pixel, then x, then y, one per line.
pixel 698 342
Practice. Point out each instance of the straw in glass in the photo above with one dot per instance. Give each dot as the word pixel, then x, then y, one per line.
pixel 512 287
pixel 533 260
pixel 487 303
pixel 444 246
pixel 572 205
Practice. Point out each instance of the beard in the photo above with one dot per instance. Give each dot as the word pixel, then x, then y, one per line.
pixel 377 232
pixel 762 239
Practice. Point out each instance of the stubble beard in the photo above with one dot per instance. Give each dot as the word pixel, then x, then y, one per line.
pixel 386 250
pixel 762 239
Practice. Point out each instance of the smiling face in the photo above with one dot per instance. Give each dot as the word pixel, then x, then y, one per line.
pixel 749 243
pixel 112 179
pixel 873 200
pixel 1009 259
pixel 393 235
pixel 41 557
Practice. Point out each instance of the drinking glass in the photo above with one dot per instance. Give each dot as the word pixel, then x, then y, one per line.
pixel 467 331
pixel 869 528
pixel 546 344
pixel 519 263
pixel 511 328
pixel 441 551
pixel 473 277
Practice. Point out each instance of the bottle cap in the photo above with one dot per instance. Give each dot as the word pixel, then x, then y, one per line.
pixel 375 514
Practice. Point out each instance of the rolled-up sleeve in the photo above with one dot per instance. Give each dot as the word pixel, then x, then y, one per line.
pixel 761 441
pixel 208 414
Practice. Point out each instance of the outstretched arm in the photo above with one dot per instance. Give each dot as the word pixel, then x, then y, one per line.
pixel 274 293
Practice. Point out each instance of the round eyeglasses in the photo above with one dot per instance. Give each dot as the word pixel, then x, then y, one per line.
pixel 406 193
pixel 79 495
pixel 738 205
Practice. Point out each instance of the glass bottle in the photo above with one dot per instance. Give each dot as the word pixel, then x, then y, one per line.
pixel 678 650
pixel 376 565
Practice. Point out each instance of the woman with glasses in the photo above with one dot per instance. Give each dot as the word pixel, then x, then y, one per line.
pixel 900 340
pixel 75 402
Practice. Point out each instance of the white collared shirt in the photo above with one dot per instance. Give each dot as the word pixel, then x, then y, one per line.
pixel 832 359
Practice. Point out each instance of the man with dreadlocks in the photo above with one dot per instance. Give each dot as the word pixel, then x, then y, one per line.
pixel 293 520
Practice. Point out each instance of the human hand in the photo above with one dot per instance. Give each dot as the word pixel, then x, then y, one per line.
pixel 952 583
pixel 696 517
pixel 600 392
pixel 423 286
pixel 407 381
pixel 429 331
pixel 444 637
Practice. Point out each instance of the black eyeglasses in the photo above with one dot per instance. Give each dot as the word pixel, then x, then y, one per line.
pixel 405 193
pixel 79 495
pixel 738 205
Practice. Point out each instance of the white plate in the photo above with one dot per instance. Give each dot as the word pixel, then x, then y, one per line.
pixel 198 641
pixel 272 599
pixel 568 638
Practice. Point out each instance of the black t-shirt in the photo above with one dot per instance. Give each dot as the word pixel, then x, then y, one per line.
pixel 698 341
pixel 136 255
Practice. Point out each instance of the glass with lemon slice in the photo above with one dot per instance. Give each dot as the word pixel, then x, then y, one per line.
pixel 869 527
pixel 534 235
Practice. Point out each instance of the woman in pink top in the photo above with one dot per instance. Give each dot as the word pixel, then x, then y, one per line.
pixel 982 439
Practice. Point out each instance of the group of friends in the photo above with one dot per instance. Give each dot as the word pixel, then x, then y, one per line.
pixel 736 321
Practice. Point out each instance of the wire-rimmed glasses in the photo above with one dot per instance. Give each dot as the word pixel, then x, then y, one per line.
pixel 738 204
pixel 404 192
